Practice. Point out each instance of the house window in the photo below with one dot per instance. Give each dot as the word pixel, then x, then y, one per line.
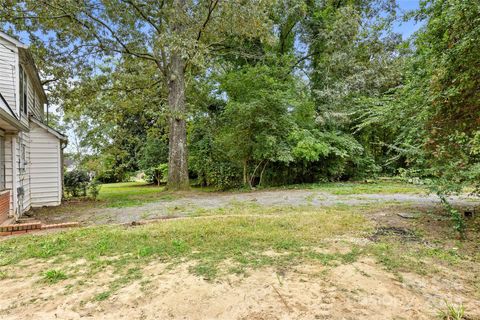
pixel 23 91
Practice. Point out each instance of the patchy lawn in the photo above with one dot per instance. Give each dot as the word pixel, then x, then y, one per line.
pixel 130 194
pixel 249 261
pixel 134 201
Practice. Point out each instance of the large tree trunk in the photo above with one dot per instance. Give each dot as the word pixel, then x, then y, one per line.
pixel 177 147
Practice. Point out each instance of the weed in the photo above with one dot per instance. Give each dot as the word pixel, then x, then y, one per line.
pixel 457 219
pixel 207 270
pixel 102 296
pixel 452 312
pixel 54 276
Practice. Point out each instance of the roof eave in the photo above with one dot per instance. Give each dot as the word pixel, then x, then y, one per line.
pixel 12 40
pixel 52 131
pixel 31 63
pixel 12 123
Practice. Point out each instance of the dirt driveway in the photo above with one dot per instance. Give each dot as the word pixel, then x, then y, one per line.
pixel 191 203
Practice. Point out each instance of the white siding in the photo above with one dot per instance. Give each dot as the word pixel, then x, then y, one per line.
pixel 37 170
pixel 45 167
pixel 8 72
pixel 35 108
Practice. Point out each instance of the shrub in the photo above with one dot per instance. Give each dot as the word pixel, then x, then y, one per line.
pixel 157 174
pixel 76 182
pixel 94 189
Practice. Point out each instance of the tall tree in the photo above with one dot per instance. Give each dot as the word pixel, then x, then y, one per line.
pixel 177 36
pixel 437 112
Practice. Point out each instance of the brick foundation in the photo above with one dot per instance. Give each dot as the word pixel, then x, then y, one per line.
pixel 4 205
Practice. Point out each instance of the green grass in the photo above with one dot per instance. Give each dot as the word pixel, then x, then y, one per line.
pixel 214 245
pixel 452 312
pixel 414 257
pixel 215 242
pixel 130 194
pixel 206 240
pixel 54 276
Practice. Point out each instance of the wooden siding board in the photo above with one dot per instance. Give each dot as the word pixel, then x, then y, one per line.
pixel 8 72
pixel 44 172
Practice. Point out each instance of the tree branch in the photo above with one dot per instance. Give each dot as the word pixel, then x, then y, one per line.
pixel 143 15
pixel 211 7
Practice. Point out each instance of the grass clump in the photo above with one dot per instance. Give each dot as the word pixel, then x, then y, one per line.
pixel 452 312
pixel 54 276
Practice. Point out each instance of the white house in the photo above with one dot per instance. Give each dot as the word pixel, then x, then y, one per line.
pixel 31 169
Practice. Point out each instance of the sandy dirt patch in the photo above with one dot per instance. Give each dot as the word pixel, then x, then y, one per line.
pixel 362 290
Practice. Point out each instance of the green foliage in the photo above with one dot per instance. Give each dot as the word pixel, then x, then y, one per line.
pixel 54 276
pixel 104 46
pixel 76 182
pixel 278 92
pixel 438 107
pixel 157 174
pixel 94 189
pixel 208 162
pixel 452 312
pixel 459 223
pixel 429 121
pixel 256 120
pixel 152 160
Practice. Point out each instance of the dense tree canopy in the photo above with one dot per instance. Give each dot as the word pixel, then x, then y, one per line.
pixel 262 92
pixel 435 112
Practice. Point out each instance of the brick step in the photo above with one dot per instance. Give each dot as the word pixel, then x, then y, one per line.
pixel 60 225
pixel 19 228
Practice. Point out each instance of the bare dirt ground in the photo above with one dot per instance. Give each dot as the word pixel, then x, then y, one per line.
pixel 189 203
pixel 361 290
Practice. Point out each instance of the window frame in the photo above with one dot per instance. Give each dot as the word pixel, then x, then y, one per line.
pixel 23 91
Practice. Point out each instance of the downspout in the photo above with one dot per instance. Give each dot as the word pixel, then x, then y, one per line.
pixel 63 145
pixel 16 214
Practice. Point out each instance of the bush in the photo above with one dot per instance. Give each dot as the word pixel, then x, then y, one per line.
pixel 157 174
pixel 94 189
pixel 76 183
